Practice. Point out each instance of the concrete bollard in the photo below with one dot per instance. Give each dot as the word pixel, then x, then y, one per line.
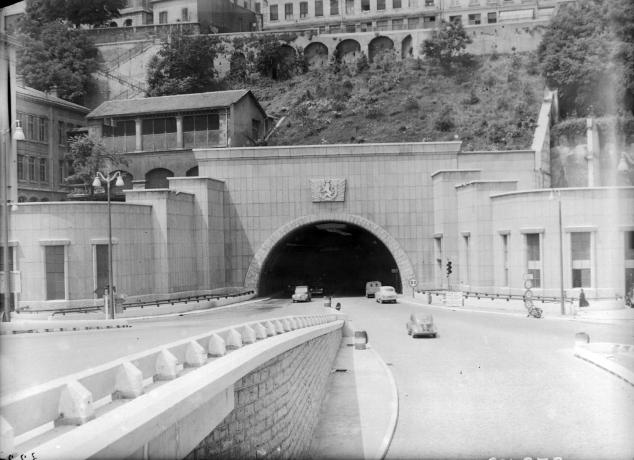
pixel 7 439
pixel 360 340
pixel 286 325
pixel 248 334
pixel 348 329
pixel 270 328
pixel 75 405
pixel 293 323
pixel 233 340
pixel 166 367
pixel 216 346
pixel 279 327
pixel 581 338
pixel 195 355
pixel 128 382
pixel 260 332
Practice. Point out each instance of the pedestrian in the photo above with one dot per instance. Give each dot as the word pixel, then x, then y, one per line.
pixel 582 299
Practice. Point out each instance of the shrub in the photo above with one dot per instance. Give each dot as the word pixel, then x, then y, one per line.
pixel 445 120
pixel 411 103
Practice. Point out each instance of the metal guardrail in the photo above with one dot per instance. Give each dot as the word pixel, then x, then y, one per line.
pixel 185 299
pixel 497 296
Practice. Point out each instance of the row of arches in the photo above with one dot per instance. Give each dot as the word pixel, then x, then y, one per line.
pixel 157 177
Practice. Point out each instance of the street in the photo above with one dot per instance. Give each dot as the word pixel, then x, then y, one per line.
pixel 494 385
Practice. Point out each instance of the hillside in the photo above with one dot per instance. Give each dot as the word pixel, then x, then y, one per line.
pixel 490 104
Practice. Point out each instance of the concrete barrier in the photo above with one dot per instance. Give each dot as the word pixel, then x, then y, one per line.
pixel 112 417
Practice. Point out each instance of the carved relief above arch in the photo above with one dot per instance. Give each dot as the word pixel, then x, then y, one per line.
pixel 406 270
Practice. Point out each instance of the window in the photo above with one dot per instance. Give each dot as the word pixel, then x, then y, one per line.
pixel 334 29
pixel 61 133
pixel 120 135
pixel 273 13
pixel 580 250
pixel 455 19
pixel 201 130
pixel 351 28
pixel 319 7
pixel 163 17
pixel 288 11
pixel 43 130
pixel 255 129
pixel 412 23
pixel 21 175
pixel 30 133
pixel 159 133
pixel 101 268
pixel 258 7
pixel 396 4
pixel 380 4
pixel 397 24
pixel 184 15
pixel 492 18
pixel 533 258
pixel 429 2
pixel 474 19
pixel 55 273
pixel 127 23
pixel 349 6
pixel 31 169
pixel 43 170
pixel 429 21
pixel 365 5
pixel 334 7
pixel 381 25
pixel 303 10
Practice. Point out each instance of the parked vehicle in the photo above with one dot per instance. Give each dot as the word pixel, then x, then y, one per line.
pixel 301 294
pixel 371 287
pixel 421 325
pixel 385 294
pixel 317 291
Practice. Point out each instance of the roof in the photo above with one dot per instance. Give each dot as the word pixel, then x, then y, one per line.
pixel 26 91
pixel 170 104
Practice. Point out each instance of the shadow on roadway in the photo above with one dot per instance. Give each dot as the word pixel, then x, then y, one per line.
pixel 338 433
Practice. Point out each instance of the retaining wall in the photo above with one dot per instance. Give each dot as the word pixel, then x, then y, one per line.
pixel 276 406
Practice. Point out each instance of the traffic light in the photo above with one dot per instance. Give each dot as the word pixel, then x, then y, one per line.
pixel 448 267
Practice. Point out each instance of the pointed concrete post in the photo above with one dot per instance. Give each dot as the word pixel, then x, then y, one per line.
pixel 166 367
pixel 279 327
pixel 248 334
pixel 7 439
pixel 128 382
pixel 234 340
pixel 195 355
pixel 292 323
pixel 270 328
pixel 75 405
pixel 260 331
pixel 216 346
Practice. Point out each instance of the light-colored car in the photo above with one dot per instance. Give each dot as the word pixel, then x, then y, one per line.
pixel 371 287
pixel 385 294
pixel 301 294
pixel 421 325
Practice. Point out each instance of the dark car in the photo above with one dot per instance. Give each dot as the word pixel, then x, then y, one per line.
pixel 421 325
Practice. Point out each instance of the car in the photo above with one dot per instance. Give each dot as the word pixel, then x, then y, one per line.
pixel 385 294
pixel 371 287
pixel 421 325
pixel 317 291
pixel 301 294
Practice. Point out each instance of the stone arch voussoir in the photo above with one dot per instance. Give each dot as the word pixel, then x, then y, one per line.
pixel 405 268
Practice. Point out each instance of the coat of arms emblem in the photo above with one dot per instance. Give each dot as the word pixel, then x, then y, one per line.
pixel 328 189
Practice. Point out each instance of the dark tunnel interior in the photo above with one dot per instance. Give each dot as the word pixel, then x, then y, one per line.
pixel 337 257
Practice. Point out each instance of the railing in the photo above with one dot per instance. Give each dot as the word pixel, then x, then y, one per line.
pixel 497 296
pixel 136 85
pixel 128 55
pixel 30 416
pixel 184 299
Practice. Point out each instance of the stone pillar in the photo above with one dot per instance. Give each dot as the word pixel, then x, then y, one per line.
pixel 179 131
pixel 138 131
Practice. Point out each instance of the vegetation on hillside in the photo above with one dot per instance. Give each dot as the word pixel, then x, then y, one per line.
pixel 489 103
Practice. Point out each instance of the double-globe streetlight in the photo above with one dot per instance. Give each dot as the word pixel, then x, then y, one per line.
pixel 18 135
pixel 99 179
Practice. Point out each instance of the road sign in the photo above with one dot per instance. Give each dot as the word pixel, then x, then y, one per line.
pixel 528 284
pixel 413 282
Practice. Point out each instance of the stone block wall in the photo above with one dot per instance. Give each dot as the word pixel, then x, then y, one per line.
pixel 276 406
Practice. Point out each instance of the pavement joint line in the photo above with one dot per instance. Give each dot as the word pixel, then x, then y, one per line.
pixel 603 363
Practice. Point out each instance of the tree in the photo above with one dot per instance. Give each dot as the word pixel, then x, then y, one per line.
pixel 184 64
pixel 579 55
pixel 277 60
pixel 59 58
pixel 621 17
pixel 88 155
pixel 76 12
pixel 447 43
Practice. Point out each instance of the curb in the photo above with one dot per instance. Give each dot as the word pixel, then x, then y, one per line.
pixel 602 362
pixel 389 435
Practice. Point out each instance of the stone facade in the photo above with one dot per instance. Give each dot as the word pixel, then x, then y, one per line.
pixel 276 406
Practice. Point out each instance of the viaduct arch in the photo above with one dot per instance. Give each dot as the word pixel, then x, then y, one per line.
pixel 254 272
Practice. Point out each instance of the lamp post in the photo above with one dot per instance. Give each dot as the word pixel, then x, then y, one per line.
pixel 562 295
pixel 99 178
pixel 18 135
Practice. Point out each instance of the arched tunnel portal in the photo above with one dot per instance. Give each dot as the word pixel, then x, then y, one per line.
pixel 339 257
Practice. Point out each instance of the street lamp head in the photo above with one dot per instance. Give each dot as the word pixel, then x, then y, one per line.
pixel 119 182
pixel 96 182
pixel 18 133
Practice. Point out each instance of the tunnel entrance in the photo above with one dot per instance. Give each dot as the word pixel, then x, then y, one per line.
pixel 335 256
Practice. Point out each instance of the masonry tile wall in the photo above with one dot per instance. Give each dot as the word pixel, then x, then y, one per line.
pixel 276 406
